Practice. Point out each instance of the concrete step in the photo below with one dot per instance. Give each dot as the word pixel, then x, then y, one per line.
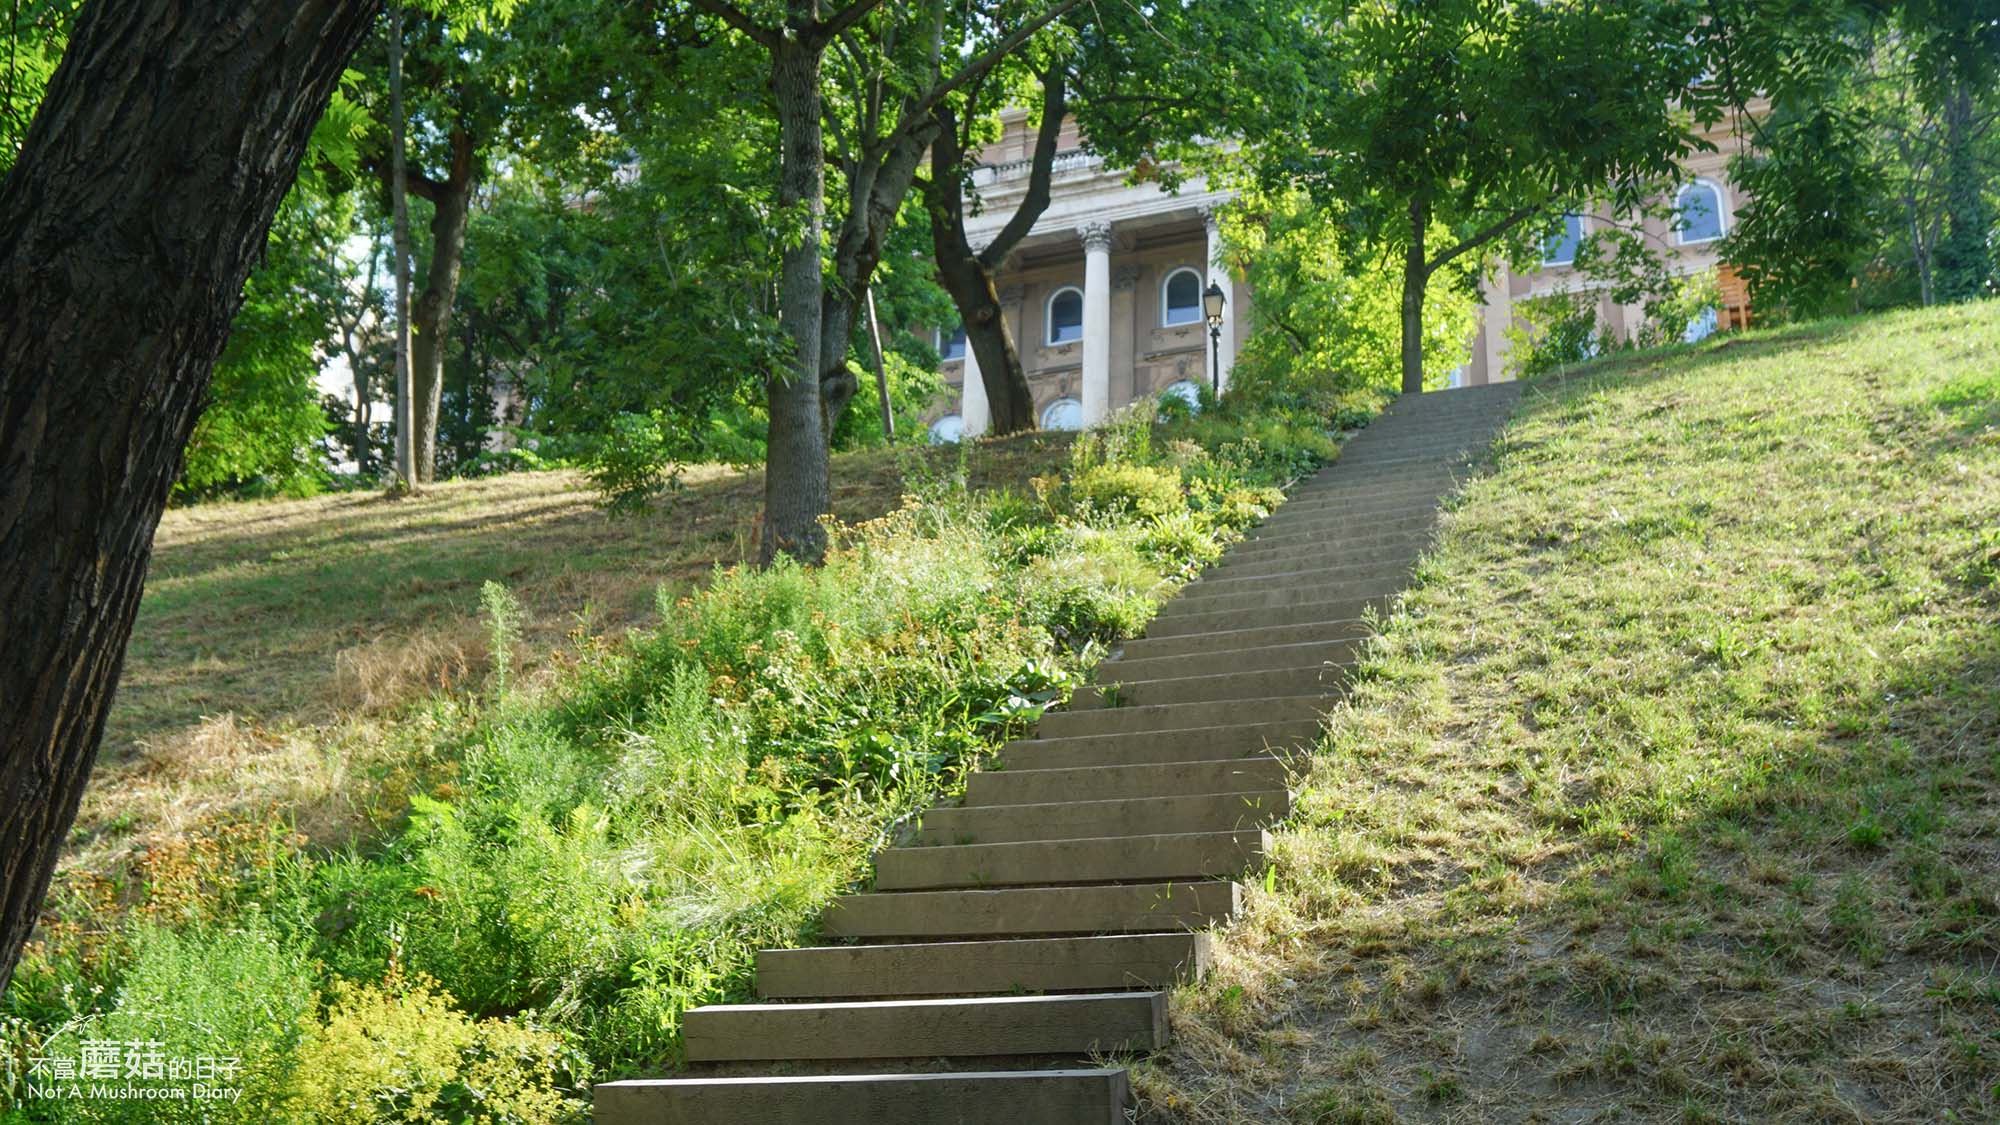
pixel 1238 640
pixel 1335 654
pixel 1281 595
pixel 1218 582
pixel 1123 816
pixel 1102 1022
pixel 1351 515
pixel 1257 774
pixel 1103 859
pixel 1255 684
pixel 939 968
pixel 1009 1097
pixel 1180 716
pixel 1334 493
pixel 1337 531
pixel 1127 908
pixel 1443 442
pixel 1402 551
pixel 1193 744
pixel 1348 609
pixel 1329 546
pixel 1357 511
pixel 1378 470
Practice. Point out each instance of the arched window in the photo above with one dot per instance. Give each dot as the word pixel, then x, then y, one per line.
pixel 953 346
pixel 1187 392
pixel 1698 213
pixel 947 430
pixel 1063 414
pixel 1180 298
pixel 1559 249
pixel 1065 317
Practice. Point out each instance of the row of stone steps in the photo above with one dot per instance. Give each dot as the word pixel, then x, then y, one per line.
pixel 1043 917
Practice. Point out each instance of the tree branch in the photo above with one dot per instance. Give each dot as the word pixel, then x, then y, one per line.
pixel 1054 98
pixel 1482 238
pixel 920 109
pixel 741 21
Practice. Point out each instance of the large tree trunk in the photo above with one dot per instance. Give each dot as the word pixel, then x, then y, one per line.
pixel 1010 402
pixel 1416 277
pixel 796 488
pixel 968 276
pixel 141 199
pixel 451 202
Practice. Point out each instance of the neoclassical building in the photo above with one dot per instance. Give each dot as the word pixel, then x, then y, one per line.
pixel 1104 294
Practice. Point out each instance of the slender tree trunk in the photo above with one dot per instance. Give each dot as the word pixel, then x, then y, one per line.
pixel 451 202
pixel 1416 277
pixel 881 183
pixel 796 489
pixel 399 201
pixel 143 194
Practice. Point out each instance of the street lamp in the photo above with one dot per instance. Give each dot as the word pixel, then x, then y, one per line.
pixel 1211 304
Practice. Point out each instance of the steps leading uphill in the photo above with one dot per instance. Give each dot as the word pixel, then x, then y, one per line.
pixel 1016 941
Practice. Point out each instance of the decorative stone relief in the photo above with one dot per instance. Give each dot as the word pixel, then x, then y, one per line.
pixel 1124 277
pixel 1096 236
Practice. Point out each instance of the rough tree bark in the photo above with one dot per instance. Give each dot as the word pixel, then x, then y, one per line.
pixel 142 197
pixel 968 276
pixel 1416 278
pixel 796 486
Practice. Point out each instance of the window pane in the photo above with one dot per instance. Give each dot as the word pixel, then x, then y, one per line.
pixel 1066 317
pixel 1560 249
pixel 953 346
pixel 1700 213
pixel 1183 298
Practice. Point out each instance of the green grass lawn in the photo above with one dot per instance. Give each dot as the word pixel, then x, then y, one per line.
pixel 1672 791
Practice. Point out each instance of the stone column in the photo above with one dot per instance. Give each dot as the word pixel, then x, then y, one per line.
pixel 1218 274
pixel 974 412
pixel 1096 321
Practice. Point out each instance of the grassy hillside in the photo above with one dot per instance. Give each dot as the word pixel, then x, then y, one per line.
pixel 1672 793
pixel 279 640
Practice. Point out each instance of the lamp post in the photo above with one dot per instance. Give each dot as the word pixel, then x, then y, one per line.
pixel 1212 301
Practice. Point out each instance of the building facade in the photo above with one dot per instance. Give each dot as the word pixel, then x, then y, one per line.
pixel 1103 296
pixel 1705 205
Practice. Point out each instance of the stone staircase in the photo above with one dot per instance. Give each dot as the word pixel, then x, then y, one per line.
pixel 1036 927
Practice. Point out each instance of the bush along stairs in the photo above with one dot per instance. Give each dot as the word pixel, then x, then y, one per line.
pixel 1021 939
